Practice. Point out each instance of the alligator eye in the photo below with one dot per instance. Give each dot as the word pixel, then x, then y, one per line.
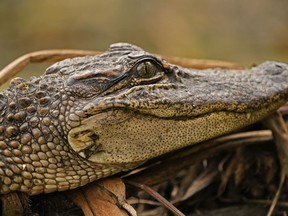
pixel 146 69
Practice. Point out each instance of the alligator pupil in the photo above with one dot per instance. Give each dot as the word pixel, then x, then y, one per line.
pixel 146 69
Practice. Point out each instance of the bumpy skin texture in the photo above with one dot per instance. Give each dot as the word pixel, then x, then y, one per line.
pixel 35 155
pixel 90 117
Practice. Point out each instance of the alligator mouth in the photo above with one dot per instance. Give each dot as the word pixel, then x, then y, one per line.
pixel 185 109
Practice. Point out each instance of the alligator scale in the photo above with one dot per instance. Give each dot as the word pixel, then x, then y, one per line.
pixel 90 117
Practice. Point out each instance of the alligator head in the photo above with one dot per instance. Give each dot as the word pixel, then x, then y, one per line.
pixel 132 106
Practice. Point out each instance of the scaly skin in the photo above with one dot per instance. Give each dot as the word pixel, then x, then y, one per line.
pixel 90 117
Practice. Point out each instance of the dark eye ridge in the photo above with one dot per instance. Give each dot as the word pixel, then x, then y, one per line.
pixel 147 69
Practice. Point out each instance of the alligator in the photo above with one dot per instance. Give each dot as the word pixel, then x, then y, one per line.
pixel 90 117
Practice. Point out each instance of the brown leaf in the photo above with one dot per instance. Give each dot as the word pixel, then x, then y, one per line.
pixel 104 197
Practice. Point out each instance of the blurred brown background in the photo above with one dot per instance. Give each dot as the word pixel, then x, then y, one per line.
pixel 246 31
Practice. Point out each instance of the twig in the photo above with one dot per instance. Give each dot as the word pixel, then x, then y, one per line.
pixel 157 196
pixel 264 202
pixel 277 195
pixel 40 56
pixel 201 63
pixel 133 200
pixel 277 124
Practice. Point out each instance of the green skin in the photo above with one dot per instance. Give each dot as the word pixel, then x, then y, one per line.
pixel 90 117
